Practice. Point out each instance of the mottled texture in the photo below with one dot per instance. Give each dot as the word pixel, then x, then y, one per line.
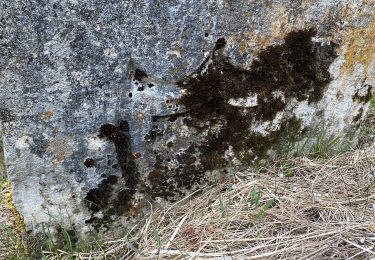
pixel 106 105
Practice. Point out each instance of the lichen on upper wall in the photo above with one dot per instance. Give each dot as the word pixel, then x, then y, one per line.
pixel 360 47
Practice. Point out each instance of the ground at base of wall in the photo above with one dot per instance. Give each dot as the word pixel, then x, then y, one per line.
pixel 293 208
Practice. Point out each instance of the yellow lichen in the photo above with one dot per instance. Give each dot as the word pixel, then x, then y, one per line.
pixel 361 47
pixel 61 148
pixel 6 200
pixel 251 39
pixel 58 158
pixel 46 115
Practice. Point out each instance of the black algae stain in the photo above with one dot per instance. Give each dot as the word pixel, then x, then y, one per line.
pixel 139 75
pixel 98 198
pixel 296 69
pixel 114 194
pixel 6 115
pixel 169 184
pixel 363 99
pixel 89 162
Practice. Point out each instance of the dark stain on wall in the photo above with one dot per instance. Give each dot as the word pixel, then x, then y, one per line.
pixel 296 69
pixel 115 193
pixel 6 115
pixel 363 98
pixel 89 162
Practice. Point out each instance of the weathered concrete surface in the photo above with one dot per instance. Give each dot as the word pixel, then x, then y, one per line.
pixel 108 104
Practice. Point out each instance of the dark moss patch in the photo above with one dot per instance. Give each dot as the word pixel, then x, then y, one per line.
pixel 171 184
pixel 220 43
pixel 296 69
pixel 6 115
pixel 89 162
pixel 98 198
pixel 139 75
pixel 357 117
pixel 114 194
pixel 363 99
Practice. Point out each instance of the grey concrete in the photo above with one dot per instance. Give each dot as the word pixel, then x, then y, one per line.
pixel 108 104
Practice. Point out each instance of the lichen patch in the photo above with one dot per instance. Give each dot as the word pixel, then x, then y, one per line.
pixel 361 47
pixel 46 115
pixel 6 200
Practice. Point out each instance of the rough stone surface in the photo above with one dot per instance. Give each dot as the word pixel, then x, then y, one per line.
pixel 106 105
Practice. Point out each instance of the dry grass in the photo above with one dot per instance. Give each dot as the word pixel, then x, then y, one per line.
pixel 367 136
pixel 297 208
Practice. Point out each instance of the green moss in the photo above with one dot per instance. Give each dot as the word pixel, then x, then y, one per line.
pixel 372 103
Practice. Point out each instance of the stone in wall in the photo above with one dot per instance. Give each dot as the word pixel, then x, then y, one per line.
pixel 106 105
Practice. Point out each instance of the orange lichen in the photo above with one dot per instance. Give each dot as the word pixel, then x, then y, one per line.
pixel 46 115
pixel 361 47
pixel 251 39
pixel 60 148
pixel 59 158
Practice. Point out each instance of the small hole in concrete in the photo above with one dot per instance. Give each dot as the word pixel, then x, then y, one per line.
pixel 220 43
pixel 89 162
